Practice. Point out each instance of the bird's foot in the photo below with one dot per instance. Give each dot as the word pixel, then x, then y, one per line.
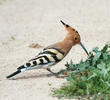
pixel 53 73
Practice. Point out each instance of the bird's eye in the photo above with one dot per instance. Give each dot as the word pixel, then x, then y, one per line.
pixel 75 38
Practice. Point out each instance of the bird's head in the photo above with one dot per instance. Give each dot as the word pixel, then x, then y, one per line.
pixel 73 36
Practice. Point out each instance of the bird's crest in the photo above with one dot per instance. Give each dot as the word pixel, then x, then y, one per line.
pixel 72 35
pixel 68 27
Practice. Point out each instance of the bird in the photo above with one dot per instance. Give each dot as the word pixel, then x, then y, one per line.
pixel 53 54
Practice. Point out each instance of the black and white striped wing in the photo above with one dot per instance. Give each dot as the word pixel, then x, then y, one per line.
pixel 45 59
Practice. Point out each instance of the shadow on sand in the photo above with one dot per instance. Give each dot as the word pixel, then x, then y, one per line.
pixel 32 76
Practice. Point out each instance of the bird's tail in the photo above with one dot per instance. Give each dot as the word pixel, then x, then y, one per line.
pixel 13 74
pixel 19 70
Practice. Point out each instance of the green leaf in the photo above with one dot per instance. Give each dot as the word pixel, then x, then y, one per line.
pixel 69 78
pixel 105 56
pixel 108 83
pixel 96 57
pixel 101 66
pixel 108 67
pixel 67 65
pixel 95 50
pixel 94 75
pixel 104 49
pixel 71 64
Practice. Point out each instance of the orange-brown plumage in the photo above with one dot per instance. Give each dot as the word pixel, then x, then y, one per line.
pixel 72 38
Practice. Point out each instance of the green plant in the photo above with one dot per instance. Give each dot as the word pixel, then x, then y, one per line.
pixel 90 79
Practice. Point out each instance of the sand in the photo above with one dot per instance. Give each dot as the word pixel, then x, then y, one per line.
pixel 23 22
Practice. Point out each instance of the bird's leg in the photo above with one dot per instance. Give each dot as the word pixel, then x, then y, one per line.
pixel 53 73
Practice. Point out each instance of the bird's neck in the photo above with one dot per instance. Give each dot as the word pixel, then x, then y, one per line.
pixel 66 45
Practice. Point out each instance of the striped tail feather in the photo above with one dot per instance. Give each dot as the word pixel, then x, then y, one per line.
pixel 13 74
pixel 19 70
pixel 27 66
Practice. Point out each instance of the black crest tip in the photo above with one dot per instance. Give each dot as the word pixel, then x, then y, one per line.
pixel 62 22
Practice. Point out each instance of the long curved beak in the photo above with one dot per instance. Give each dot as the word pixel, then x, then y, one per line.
pixel 84 48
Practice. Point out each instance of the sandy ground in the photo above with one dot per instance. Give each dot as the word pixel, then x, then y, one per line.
pixel 23 22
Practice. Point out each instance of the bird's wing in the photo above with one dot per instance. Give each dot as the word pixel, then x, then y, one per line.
pixel 48 57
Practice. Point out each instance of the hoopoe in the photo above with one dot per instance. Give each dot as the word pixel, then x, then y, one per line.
pixel 53 54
